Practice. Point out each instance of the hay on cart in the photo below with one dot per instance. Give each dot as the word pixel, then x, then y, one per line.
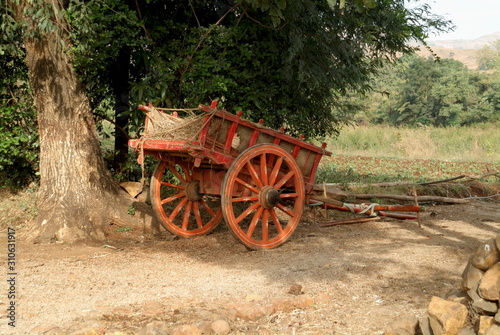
pixel 171 127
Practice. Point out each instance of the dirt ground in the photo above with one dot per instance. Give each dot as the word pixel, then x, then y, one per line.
pixel 355 278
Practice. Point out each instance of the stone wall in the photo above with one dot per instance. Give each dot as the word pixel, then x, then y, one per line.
pixel 472 310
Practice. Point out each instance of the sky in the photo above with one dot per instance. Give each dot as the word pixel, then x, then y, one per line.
pixel 472 18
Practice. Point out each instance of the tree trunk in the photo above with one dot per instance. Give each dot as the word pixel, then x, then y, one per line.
pixel 77 195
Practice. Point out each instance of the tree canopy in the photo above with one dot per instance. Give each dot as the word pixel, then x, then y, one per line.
pixel 289 62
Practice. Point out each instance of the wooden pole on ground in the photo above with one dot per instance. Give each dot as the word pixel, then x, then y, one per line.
pixel 416 203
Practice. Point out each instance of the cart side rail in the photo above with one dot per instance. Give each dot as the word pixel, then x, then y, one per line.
pixel 231 134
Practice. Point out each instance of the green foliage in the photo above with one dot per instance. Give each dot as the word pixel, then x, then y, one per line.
pixel 124 229
pixel 489 57
pixel 18 131
pixel 418 91
pixel 288 62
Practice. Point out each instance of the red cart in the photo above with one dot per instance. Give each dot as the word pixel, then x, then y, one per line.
pixel 257 178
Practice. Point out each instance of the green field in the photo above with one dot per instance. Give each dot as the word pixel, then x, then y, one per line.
pixel 382 153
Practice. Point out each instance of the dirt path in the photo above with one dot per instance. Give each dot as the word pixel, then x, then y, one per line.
pixel 355 278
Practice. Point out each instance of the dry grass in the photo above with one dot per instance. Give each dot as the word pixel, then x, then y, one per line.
pixel 465 144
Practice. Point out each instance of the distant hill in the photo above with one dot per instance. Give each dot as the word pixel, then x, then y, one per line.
pixel 464 51
pixel 466 56
pixel 477 43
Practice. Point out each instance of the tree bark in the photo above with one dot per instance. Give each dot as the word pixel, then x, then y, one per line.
pixel 77 195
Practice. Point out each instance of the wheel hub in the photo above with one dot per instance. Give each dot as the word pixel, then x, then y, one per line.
pixel 269 197
pixel 193 190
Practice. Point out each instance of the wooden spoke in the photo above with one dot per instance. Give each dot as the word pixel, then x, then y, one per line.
pixel 164 183
pixel 188 174
pixel 283 180
pixel 245 213
pixel 263 169
pixel 261 220
pixel 285 210
pixel 255 198
pixel 172 198
pixel 276 221
pixel 181 212
pixel 254 175
pixel 209 210
pixel 274 172
pixel 254 222
pixel 178 208
pixel 177 174
pixel 187 212
pixel 265 225
pixel 247 185
pixel 197 215
pixel 288 195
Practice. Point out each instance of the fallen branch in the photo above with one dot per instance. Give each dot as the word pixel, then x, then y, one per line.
pixel 442 180
pixel 491 173
pixel 334 190
pixel 349 221
pixel 410 198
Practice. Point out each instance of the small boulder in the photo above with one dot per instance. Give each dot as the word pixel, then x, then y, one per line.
pixel 493 330
pixel 186 330
pixel 489 288
pixel 425 327
pixel 220 327
pixel 484 323
pixel 406 325
pixel 486 255
pixel 133 188
pixel 471 276
pixel 482 307
pixel 446 317
pixel 252 311
pixel 295 289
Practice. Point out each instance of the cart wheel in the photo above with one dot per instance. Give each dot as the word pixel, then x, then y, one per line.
pixel 263 196
pixel 178 204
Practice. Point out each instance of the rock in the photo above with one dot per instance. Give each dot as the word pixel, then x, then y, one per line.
pixel 489 287
pixel 295 289
pixel 283 305
pixel 403 326
pixel 497 317
pixel 252 311
pixel 133 188
pixel 152 308
pixel 493 330
pixel 467 331
pixel 303 301
pixel 482 307
pixel 484 323
pixel 220 327
pixel 425 327
pixel 155 328
pixel 144 195
pixel 446 317
pixel 486 255
pixel 230 313
pixel 471 276
pixel 186 330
